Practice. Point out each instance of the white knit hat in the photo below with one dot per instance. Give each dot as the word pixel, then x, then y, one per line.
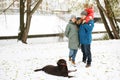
pixel 72 16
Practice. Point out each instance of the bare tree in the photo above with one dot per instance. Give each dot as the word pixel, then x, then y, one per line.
pixel 112 19
pixel 104 20
pixel 108 12
pixel 24 28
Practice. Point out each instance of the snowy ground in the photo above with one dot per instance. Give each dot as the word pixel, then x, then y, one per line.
pixel 18 61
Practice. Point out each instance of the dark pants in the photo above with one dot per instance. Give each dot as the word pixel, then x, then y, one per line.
pixel 85 48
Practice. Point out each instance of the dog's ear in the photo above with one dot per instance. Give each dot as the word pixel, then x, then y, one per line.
pixel 58 63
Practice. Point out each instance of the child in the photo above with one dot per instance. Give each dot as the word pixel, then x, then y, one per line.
pixel 90 13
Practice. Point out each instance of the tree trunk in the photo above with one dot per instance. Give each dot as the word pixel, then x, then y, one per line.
pixel 21 20
pixel 104 21
pixel 28 21
pixel 25 28
pixel 111 19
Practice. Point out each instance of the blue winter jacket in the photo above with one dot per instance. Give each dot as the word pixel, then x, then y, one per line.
pixel 85 32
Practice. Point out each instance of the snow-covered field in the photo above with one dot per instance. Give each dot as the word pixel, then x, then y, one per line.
pixel 9 25
pixel 18 61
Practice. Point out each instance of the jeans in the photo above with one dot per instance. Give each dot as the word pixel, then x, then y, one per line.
pixel 85 48
pixel 72 54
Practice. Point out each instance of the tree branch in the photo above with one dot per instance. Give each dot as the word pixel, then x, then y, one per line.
pixel 8 7
pixel 99 5
pixel 36 6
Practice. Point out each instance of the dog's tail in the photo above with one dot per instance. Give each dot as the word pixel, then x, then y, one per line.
pixel 38 70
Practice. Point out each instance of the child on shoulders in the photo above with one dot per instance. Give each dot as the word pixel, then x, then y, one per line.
pixel 90 13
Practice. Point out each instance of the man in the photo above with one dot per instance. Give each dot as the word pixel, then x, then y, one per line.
pixel 71 33
pixel 85 38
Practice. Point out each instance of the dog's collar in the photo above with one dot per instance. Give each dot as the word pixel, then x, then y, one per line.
pixel 64 64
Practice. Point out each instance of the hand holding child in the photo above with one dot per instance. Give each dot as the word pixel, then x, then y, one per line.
pixel 84 21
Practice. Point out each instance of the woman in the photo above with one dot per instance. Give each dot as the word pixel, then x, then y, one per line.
pixel 71 33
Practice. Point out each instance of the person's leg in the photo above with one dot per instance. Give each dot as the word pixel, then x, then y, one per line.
pixel 88 52
pixel 71 54
pixel 74 56
pixel 84 53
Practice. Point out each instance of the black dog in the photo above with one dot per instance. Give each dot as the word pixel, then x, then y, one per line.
pixel 59 70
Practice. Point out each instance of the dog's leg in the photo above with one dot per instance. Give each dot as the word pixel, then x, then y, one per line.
pixel 38 70
pixel 70 76
pixel 72 70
